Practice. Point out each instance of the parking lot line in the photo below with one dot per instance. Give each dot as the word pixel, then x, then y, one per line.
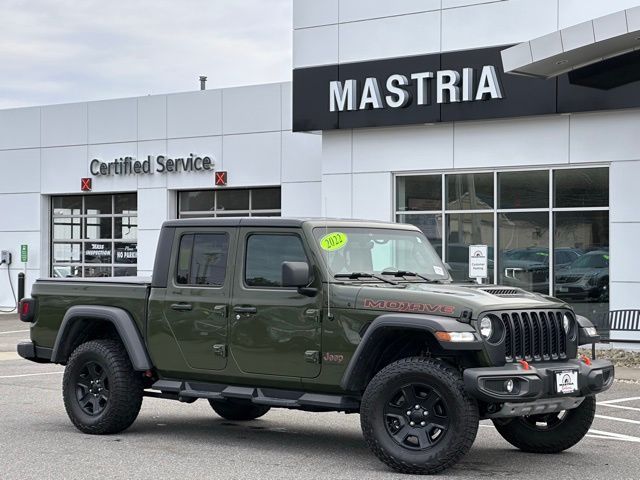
pixel 618 400
pixel 14 331
pixel 31 374
pixel 616 419
pixel 613 436
pixel 621 407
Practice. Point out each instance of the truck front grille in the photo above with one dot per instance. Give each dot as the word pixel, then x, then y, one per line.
pixel 534 335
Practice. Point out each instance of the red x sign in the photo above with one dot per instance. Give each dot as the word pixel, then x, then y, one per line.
pixel 221 179
pixel 85 184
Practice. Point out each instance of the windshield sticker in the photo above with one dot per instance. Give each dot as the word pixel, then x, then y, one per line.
pixel 438 270
pixel 543 254
pixel 333 241
pixel 606 257
pixel 402 306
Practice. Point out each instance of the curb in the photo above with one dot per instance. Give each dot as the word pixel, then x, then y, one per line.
pixel 628 374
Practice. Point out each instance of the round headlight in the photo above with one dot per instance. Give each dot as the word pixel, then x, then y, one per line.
pixel 486 327
pixel 566 323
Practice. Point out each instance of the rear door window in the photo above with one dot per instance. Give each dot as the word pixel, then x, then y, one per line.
pixel 202 259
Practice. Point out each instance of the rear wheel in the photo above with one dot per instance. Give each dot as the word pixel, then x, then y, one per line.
pixel 416 416
pixel 102 393
pixel 238 410
pixel 549 433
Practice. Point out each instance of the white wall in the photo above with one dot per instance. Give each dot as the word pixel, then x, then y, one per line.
pixel 338 31
pixel 46 151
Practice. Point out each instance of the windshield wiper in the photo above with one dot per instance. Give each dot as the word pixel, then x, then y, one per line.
pixel 357 275
pixel 405 273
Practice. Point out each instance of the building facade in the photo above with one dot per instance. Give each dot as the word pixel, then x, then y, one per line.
pixel 399 111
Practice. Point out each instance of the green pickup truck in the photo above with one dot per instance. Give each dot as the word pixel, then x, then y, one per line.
pixel 321 315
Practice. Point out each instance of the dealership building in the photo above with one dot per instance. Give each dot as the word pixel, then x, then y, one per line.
pixel 512 123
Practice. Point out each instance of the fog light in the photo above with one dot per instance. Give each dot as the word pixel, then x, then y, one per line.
pixel 591 331
pixel 508 386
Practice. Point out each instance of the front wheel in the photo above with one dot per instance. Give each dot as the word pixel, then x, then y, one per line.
pixel 102 393
pixel 549 433
pixel 416 416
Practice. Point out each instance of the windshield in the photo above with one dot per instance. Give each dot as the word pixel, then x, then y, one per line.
pixel 374 251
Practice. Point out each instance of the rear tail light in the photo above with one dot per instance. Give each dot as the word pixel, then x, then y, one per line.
pixel 27 309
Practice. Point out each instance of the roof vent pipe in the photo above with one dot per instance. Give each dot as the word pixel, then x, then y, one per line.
pixel 203 82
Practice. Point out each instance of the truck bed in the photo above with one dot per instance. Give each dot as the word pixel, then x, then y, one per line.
pixel 54 296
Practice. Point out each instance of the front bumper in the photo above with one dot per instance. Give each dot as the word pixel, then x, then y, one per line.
pixel 536 383
pixel 30 351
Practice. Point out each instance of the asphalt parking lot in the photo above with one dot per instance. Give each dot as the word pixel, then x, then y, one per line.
pixel 174 440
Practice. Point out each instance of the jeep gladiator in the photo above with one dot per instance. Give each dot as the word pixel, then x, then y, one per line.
pixel 321 315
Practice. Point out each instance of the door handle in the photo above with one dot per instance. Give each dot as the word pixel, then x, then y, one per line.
pixel 182 307
pixel 246 310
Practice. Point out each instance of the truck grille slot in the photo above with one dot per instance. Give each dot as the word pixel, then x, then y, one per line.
pixel 534 335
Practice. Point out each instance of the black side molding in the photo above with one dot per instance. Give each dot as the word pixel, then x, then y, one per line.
pixel 74 320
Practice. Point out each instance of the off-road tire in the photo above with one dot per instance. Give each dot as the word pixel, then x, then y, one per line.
pixel 238 411
pixel 574 426
pixel 462 410
pixel 125 388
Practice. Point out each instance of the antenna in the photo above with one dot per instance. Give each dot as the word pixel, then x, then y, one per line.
pixel 326 261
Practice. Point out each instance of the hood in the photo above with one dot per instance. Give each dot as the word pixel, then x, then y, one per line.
pixel 445 300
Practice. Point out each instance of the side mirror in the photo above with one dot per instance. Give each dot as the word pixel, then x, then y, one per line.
pixel 295 274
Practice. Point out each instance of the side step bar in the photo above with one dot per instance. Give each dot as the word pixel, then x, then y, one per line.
pixel 272 397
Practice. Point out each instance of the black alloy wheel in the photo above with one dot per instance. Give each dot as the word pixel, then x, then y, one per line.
pixel 102 392
pixel 416 416
pixel 92 388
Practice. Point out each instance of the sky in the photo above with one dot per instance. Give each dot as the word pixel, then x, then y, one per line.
pixel 59 51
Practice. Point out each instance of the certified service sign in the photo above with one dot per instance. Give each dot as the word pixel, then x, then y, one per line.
pixel 478 261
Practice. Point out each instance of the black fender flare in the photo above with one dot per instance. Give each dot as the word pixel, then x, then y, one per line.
pixel 355 375
pixel 124 324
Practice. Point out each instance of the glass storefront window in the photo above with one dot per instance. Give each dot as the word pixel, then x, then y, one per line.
pixel 583 280
pixel 232 200
pixel 126 203
pixel 419 193
pixel 98 204
pixel 202 201
pixel 67 228
pixel 470 191
pixel 239 202
pixel 523 189
pixel 99 227
pixel 463 230
pixel 525 225
pixel 523 242
pixel 265 199
pixel 126 228
pixel 431 226
pixel 581 187
pixel 67 253
pixel 88 233
pixel 71 205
